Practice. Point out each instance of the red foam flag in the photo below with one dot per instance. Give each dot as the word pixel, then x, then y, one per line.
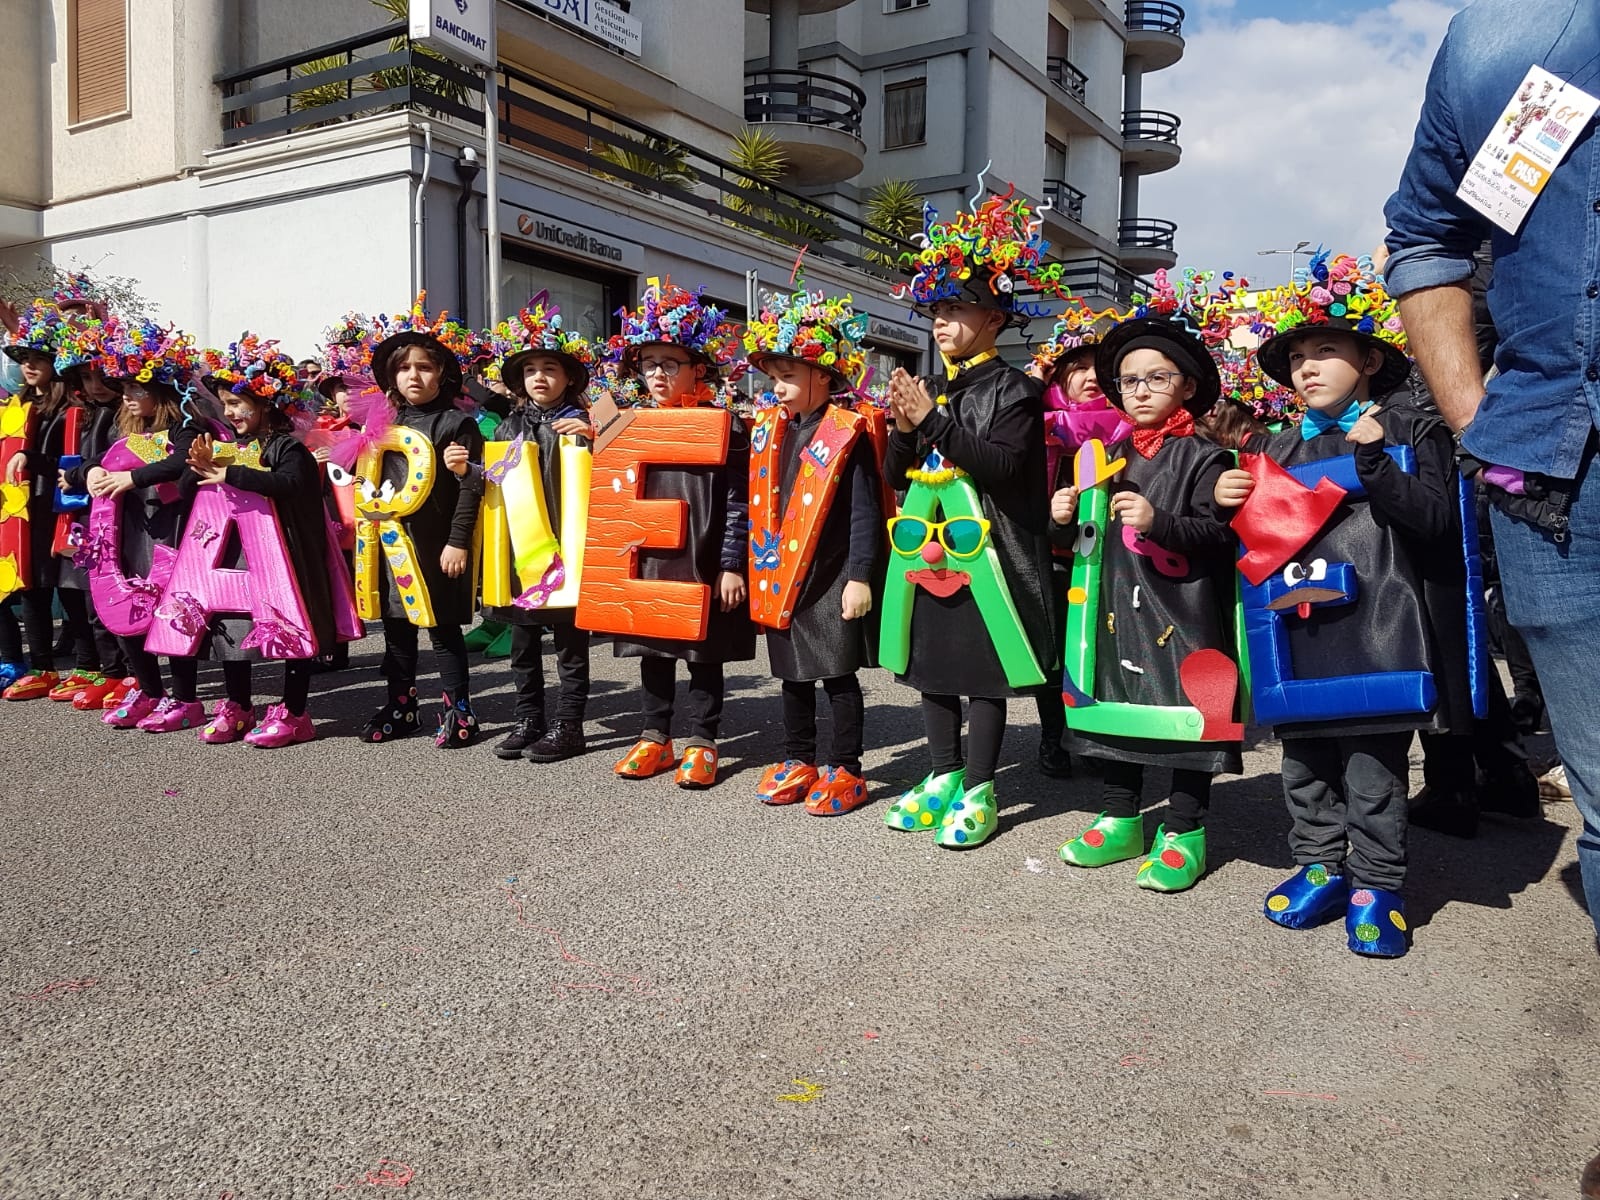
pixel 1280 517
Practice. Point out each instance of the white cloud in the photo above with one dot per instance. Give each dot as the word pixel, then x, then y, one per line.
pixel 1291 130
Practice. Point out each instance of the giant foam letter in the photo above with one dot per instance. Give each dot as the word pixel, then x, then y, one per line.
pixel 125 603
pixel 379 507
pixel 518 532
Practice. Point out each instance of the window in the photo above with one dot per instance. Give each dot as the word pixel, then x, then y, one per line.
pixel 588 299
pixel 97 83
pixel 905 113
pixel 894 6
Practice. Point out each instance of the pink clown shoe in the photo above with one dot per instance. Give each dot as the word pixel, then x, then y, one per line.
pixel 281 728
pixel 172 714
pixel 135 707
pixel 229 722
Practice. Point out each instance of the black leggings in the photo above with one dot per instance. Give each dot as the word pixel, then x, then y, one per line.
pixel 400 656
pixel 40 625
pixel 146 667
pixel 659 678
pixel 1186 806
pixel 848 708
pixel 986 729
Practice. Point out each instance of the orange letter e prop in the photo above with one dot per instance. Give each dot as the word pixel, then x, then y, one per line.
pixel 613 599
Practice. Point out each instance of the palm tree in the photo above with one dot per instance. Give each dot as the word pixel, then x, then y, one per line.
pixel 894 207
pixel 674 171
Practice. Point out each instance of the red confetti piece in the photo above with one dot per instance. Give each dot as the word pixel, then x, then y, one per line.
pixel 635 984
pixel 60 985
pixel 389 1173
pixel 870 1036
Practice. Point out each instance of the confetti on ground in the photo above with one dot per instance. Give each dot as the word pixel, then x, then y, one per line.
pixel 1305 1095
pixel 59 986
pixel 1034 865
pixel 389 1173
pixel 635 984
pixel 870 1035
pixel 172 791
pixel 808 1092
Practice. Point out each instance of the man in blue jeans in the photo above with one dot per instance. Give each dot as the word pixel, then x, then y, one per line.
pixel 1533 428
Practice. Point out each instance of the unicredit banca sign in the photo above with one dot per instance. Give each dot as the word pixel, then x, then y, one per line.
pixel 459 29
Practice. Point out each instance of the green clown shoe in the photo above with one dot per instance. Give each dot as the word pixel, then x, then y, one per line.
pixel 923 807
pixel 1176 861
pixel 485 632
pixel 501 646
pixel 1109 840
pixel 969 821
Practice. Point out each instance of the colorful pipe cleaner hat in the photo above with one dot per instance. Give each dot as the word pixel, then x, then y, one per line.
pixel 984 256
pixel 1078 327
pixel 669 316
pixel 252 367
pixel 77 290
pixel 463 348
pixel 1338 292
pixel 39 328
pixel 149 353
pixel 537 329
pixel 81 341
pixel 810 327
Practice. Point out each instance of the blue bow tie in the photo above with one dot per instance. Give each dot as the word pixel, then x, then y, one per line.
pixel 1314 423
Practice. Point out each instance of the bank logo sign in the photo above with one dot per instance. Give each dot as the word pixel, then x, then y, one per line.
pixel 459 29
pixel 597 18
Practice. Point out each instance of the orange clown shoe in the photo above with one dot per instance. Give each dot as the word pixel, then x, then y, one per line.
pixel 74 682
pixel 647 758
pixel 31 686
pixel 698 767
pixel 116 695
pixel 837 792
pixel 787 782
pixel 93 695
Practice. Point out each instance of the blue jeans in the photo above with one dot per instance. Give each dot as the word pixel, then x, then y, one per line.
pixel 1552 596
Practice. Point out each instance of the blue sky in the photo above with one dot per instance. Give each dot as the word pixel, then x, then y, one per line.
pixel 1297 117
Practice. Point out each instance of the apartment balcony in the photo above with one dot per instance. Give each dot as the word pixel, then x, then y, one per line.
pixel 816 118
pixel 1155 32
pixel 1150 140
pixel 1146 244
pixel 1064 199
pixel 1068 78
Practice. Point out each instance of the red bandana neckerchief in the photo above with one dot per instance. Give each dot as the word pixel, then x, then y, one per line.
pixel 1147 441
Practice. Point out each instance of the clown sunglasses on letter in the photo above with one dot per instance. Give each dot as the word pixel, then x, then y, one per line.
pixel 961 537
pixel 1157 381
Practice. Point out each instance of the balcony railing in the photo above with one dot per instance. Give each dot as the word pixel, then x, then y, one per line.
pixel 1068 78
pixel 1150 125
pixel 804 97
pixel 370 74
pixel 1099 276
pixel 1146 233
pixel 1155 16
pixel 1064 199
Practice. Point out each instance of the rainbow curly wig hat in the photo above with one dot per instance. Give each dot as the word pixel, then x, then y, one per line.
pixel 984 256
pixel 538 329
pixel 38 330
pixel 252 367
pixel 80 342
pixel 461 348
pixel 145 352
pixel 670 316
pixel 1340 293
pixel 813 328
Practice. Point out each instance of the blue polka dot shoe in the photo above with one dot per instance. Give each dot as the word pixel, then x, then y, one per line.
pixel 1313 895
pixel 1376 923
pixel 970 821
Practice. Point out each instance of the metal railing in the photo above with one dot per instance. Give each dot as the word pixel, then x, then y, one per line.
pixel 1064 198
pixel 1068 78
pixel 1150 125
pixel 1097 275
pixel 1146 233
pixel 1154 16
pixel 805 98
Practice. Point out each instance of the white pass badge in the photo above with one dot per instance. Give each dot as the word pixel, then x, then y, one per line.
pixel 1523 149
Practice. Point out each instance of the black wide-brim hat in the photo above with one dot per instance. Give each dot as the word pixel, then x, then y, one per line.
pixel 451 381
pixel 1176 342
pixel 976 292
pixel 330 382
pixel 511 370
pixel 837 382
pixel 21 350
pixel 1273 354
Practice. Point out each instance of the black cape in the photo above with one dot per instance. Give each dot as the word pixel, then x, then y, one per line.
pixel 47 570
pixel 1197 606
pixel 819 643
pixel 1404 541
pixel 446 518
pixel 533 424
pixel 993 429
pixel 717 532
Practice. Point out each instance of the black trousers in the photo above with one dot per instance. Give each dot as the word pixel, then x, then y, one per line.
pixel 848 709
pixel 145 666
pixel 986 730
pixel 39 622
pixel 1449 760
pixel 572 670
pixel 1504 636
pixel 1187 804
pixel 1349 792
pixel 10 630
pixel 659 676
pixel 400 656
pixel 112 659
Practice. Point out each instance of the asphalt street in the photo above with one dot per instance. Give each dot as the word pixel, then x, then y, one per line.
pixel 347 969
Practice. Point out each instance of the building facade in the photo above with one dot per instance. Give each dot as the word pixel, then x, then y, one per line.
pixel 271 164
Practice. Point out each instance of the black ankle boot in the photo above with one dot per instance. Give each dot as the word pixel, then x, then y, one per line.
pixel 458 724
pixel 394 720
pixel 1054 761
pixel 524 734
pixel 1454 814
pixel 565 740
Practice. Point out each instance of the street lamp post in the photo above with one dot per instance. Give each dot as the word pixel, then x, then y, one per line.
pixel 1299 248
